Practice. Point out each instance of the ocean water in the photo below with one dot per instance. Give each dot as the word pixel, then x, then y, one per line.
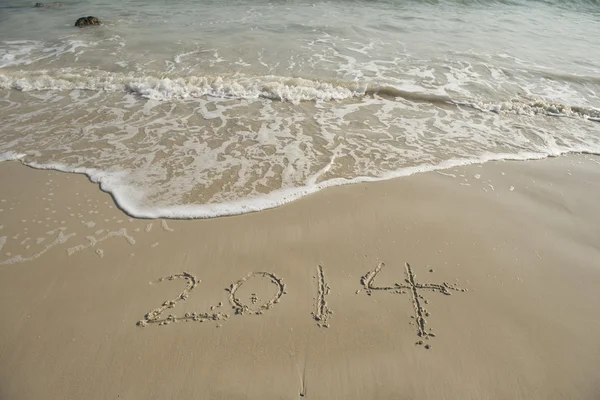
pixel 202 108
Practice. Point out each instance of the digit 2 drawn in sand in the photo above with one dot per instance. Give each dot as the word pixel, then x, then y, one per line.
pixel 242 308
pixel 154 316
pixel 322 312
pixel 417 299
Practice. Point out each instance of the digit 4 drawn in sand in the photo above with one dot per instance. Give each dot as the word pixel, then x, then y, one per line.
pixel 154 316
pixel 413 287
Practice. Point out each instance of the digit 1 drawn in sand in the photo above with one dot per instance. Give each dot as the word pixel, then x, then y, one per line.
pixel 417 299
pixel 153 317
pixel 322 312
pixel 242 308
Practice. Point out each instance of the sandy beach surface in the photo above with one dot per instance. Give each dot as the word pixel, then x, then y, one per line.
pixel 478 282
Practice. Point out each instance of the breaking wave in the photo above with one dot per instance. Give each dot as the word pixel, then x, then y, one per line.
pixel 268 87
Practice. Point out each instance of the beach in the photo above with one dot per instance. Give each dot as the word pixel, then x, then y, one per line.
pixel 260 199
pixel 472 282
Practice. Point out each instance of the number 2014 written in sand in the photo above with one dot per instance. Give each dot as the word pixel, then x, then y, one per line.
pixel 322 314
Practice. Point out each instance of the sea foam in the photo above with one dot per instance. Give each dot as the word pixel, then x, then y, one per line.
pixel 131 200
pixel 199 115
pixel 268 87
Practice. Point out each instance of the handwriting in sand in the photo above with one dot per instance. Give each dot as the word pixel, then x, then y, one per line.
pixel 321 314
pixel 414 288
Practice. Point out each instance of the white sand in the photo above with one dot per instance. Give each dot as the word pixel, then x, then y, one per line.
pixel 521 239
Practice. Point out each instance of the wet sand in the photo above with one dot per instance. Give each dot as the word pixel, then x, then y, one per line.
pixel 477 282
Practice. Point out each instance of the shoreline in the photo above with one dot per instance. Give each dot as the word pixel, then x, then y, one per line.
pixel 519 238
pixel 273 199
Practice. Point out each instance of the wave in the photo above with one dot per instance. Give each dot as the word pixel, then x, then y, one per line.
pixel 126 200
pixel 290 89
pixel 538 107
pixel 561 3
pixel 167 88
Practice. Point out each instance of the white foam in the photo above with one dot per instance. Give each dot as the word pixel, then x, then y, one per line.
pixel 272 87
pixel 92 241
pixel 60 238
pixel 131 202
pixel 153 88
pixel 154 155
pixel 535 108
pixel 11 156
pixel 25 52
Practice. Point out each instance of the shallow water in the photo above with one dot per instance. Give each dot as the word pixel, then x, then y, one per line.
pixel 205 108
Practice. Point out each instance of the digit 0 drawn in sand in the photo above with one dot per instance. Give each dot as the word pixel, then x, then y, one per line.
pixel 322 312
pixel 242 308
pixel 413 287
pixel 154 316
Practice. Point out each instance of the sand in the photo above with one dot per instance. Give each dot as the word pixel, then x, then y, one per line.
pixel 480 282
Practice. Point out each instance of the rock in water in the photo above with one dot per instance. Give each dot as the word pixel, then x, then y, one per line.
pixel 87 21
pixel 47 5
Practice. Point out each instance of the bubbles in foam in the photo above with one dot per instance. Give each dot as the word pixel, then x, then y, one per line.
pixel 25 52
pixel 153 88
pixel 60 238
pixel 211 156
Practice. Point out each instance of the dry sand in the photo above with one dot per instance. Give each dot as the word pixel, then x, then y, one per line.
pixel 516 244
